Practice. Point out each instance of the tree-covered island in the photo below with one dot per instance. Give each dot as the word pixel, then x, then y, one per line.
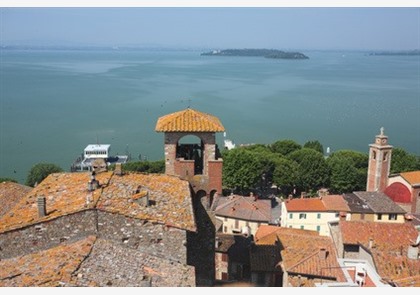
pixel 267 53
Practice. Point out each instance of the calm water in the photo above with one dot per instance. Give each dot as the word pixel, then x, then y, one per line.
pixel 54 103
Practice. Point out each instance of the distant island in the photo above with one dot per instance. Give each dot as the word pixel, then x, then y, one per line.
pixel 267 53
pixel 405 52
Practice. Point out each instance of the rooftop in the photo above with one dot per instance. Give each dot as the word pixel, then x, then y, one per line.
pixel 67 193
pixel 10 194
pixel 245 208
pixel 335 203
pixel 389 246
pixel 189 120
pixel 412 177
pixel 305 205
pixel 379 202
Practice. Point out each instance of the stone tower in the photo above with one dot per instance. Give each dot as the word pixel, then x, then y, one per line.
pixel 379 163
pixel 200 164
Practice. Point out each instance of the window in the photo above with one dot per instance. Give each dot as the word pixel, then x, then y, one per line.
pixel 225 218
pixel 290 226
pixel 302 216
pixel 337 215
pixel 318 228
pixel 385 156
pixel 291 215
pixel 392 217
pixel 362 216
pixel 302 227
pixel 374 155
pixel 379 216
pixel 236 223
pixel 225 229
pixel 318 216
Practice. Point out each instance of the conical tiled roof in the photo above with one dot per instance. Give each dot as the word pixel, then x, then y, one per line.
pixel 189 120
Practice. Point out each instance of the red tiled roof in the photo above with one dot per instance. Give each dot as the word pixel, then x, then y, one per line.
pixel 10 194
pixel 389 248
pixel 302 254
pixel 335 203
pixel 67 193
pixel 244 208
pixel 267 234
pixel 412 177
pixel 189 120
pixel 305 205
pixel 45 268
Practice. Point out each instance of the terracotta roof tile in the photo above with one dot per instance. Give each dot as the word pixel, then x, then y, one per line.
pixel 10 194
pixel 305 205
pixel 389 248
pixel 412 177
pixel 335 203
pixel 302 254
pixel 49 268
pixel 189 120
pixel 268 234
pixel 65 193
pixel 68 193
pixel 169 196
pixel 245 208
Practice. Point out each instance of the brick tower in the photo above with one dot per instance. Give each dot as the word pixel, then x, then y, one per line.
pixel 379 163
pixel 200 164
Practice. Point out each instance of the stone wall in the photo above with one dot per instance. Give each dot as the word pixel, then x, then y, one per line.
pixel 152 238
pixel 48 234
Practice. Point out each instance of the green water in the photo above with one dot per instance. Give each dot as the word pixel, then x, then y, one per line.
pixel 54 103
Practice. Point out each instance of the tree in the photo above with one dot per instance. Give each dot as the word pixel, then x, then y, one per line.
pixel 145 166
pixel 242 169
pixel 7 179
pixel 285 147
pixel 313 171
pixel 348 171
pixel 285 175
pixel 40 171
pixel 402 161
pixel 314 144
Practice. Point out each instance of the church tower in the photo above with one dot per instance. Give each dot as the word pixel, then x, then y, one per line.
pixel 379 163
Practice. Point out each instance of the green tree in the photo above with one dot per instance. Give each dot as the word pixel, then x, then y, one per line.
pixel 348 171
pixel 402 161
pixel 40 171
pixel 7 179
pixel 145 166
pixel 242 170
pixel 285 147
pixel 285 175
pixel 313 171
pixel 314 144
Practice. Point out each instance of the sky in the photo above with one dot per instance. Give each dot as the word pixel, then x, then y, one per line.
pixel 359 28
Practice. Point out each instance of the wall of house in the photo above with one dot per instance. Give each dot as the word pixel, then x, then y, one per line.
pixel 152 238
pixel 358 216
pixel 48 234
pixel 385 218
pixel 229 225
pixel 220 265
pixel 311 221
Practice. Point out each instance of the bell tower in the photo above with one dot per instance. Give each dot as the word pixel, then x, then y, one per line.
pixel 379 163
pixel 200 163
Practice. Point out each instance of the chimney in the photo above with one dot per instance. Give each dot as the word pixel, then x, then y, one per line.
pixel 370 243
pixel 118 169
pixel 42 206
pixel 323 253
pixel 93 183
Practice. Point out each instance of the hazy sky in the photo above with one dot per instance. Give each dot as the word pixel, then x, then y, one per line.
pixel 215 27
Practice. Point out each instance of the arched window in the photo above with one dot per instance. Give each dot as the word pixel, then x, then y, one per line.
pixel 374 155
pixel 385 156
